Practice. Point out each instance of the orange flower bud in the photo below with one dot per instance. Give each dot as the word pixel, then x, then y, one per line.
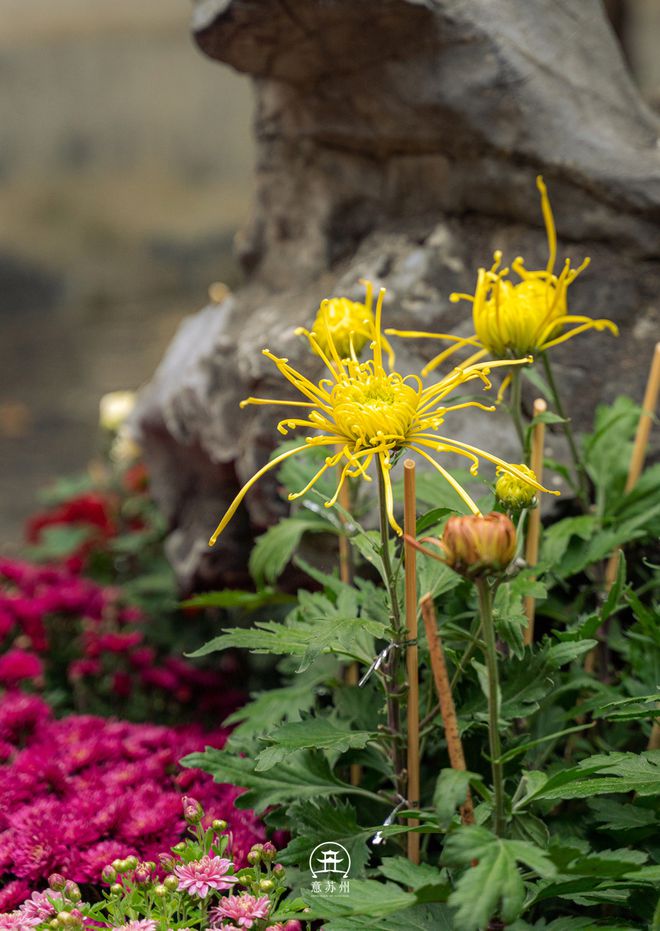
pixel 478 544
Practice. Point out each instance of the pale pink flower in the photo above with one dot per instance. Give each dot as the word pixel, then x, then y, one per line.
pixel 200 876
pixel 243 910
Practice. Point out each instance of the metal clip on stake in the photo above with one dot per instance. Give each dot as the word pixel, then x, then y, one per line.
pixel 382 657
pixel 378 836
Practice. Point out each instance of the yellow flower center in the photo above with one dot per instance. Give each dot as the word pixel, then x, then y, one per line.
pixel 374 409
pixel 514 319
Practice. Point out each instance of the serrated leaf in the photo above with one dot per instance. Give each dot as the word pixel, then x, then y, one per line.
pixel 606 774
pixel 306 775
pixel 324 820
pixel 618 816
pixel 414 876
pixel 274 548
pixel 417 918
pixel 319 733
pixel 557 537
pixel 432 518
pixel 451 792
pixel 367 897
pixel 494 885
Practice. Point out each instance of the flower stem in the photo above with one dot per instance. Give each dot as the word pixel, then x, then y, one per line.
pixel 581 486
pixel 391 668
pixel 486 613
pixel 516 408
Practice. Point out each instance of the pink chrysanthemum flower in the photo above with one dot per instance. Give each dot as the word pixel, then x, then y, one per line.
pixel 40 907
pixel 287 926
pixel 200 876
pixel 242 910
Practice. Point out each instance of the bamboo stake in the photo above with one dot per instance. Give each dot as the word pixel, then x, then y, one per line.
pixel 534 520
pixel 447 707
pixel 639 449
pixel 412 660
pixel 634 471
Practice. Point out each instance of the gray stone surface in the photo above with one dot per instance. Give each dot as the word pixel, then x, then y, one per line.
pixel 399 140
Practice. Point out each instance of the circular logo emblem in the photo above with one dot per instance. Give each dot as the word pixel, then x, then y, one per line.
pixel 329 857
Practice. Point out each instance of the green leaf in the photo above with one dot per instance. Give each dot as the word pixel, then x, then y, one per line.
pixel 274 548
pixel 494 885
pixel 556 538
pixel 237 598
pixel 267 709
pixel 451 792
pixel 413 876
pixel 319 733
pixel 619 816
pixel 635 708
pixel 367 897
pixel 58 542
pixel 323 820
pixel 605 774
pixel 305 775
pixel 417 918
pixel 432 518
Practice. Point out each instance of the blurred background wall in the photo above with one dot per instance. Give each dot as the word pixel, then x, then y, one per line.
pixel 125 170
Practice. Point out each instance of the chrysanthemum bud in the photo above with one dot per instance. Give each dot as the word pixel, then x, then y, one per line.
pixel 279 871
pixel 109 874
pixel 512 492
pixel 72 891
pixel 192 810
pixel 171 883
pixel 142 873
pixel 116 888
pixel 167 862
pixel 180 847
pixel 57 882
pixel 254 857
pixel 266 885
pixel 160 890
pixel 121 865
pixel 269 852
pixel 219 825
pixel 131 862
pixel 476 545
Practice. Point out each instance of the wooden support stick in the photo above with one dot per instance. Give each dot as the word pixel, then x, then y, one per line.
pixel 447 707
pixel 639 449
pixel 412 653
pixel 534 519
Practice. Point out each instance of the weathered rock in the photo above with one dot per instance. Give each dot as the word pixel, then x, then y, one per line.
pixel 399 140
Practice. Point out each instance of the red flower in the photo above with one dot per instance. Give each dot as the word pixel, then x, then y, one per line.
pixel 17 665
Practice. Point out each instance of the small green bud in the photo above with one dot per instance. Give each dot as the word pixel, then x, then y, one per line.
pixel 109 874
pixel 116 888
pixel 253 857
pixel 160 890
pixel 266 885
pixel 171 883
pixel 219 825
pixel 131 862
pixel 180 847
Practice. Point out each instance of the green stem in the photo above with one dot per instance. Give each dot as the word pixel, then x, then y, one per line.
pixel 516 408
pixel 581 482
pixel 486 613
pixel 392 666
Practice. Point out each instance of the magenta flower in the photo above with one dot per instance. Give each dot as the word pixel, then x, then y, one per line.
pixel 243 910
pixel 200 876
pixel 17 665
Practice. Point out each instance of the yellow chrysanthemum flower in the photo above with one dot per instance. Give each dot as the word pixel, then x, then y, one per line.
pixel 366 413
pixel 513 320
pixel 513 493
pixel 349 325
